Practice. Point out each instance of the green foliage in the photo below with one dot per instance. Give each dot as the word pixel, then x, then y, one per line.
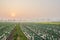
pixel 19 34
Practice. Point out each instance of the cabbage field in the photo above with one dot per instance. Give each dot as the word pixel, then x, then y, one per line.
pixel 11 31
pixel 41 31
pixel 29 31
pixel 5 29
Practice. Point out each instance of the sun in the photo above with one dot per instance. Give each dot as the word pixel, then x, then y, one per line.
pixel 13 14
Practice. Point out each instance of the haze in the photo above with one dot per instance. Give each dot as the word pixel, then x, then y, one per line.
pixel 30 9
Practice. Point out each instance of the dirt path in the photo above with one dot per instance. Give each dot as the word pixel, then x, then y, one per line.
pixel 18 38
pixel 17 34
pixel 10 37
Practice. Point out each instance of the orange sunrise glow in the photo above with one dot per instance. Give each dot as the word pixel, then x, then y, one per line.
pixel 13 14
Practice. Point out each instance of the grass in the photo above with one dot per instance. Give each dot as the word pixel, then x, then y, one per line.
pixel 18 35
pixel 50 22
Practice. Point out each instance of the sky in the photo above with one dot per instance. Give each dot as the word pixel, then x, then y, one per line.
pixel 30 9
